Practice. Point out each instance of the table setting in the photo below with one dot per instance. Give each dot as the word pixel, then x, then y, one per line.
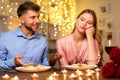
pixel 55 74
pixel 77 71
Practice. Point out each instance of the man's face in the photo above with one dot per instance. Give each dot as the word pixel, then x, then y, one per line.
pixel 30 20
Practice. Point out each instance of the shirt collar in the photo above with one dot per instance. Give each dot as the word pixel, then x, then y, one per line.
pixel 20 34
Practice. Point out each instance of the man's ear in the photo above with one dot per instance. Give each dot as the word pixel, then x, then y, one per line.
pixel 21 19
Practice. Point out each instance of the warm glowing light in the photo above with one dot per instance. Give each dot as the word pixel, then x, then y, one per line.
pixel 8 10
pixel 60 13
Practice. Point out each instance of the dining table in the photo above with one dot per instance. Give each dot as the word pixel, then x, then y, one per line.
pixel 44 75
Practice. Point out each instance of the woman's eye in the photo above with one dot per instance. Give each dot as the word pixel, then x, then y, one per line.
pixel 90 22
pixel 82 19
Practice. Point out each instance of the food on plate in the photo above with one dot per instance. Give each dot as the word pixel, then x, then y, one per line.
pixel 35 67
pixel 79 65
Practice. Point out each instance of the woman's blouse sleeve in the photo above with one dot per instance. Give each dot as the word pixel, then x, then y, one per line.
pixel 61 50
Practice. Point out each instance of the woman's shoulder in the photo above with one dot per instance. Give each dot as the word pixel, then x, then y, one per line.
pixel 66 37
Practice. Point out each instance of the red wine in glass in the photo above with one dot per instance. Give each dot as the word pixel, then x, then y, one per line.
pixel 108 49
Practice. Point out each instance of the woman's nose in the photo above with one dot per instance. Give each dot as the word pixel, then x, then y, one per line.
pixel 84 23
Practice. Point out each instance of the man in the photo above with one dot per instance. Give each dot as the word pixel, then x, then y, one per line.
pixel 23 46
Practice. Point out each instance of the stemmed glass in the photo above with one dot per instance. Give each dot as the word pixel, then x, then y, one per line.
pixel 108 45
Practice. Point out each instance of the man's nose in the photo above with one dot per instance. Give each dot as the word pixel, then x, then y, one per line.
pixel 37 20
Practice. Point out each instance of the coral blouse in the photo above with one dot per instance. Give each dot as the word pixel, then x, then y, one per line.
pixel 66 47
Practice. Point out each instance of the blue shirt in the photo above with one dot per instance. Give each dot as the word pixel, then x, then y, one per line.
pixel 15 43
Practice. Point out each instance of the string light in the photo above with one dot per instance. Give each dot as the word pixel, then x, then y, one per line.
pixel 8 9
pixel 60 13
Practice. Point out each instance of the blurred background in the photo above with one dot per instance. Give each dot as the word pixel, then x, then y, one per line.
pixel 57 19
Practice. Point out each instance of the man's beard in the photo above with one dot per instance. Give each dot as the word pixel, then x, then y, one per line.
pixel 29 28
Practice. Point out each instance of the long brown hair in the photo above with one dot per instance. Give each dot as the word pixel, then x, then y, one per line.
pixel 97 34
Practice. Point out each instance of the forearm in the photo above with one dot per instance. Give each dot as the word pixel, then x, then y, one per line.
pixel 92 51
pixel 7 64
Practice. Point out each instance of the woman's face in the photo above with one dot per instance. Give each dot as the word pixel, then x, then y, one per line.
pixel 84 22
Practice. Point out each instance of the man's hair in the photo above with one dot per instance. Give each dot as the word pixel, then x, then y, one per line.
pixel 27 6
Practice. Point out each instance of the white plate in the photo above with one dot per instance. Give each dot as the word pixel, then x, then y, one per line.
pixel 31 68
pixel 75 67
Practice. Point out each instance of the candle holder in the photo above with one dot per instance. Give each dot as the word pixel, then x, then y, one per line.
pixel 64 71
pixel 89 75
pixel 97 70
pixel 55 75
pixel 15 78
pixel 65 74
pixel 73 77
pixel 51 78
pixel 93 74
pixel 80 78
pixel 79 73
pixel 6 77
pixel 97 76
pixel 35 76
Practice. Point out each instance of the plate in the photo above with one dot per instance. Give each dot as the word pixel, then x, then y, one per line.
pixel 82 67
pixel 32 68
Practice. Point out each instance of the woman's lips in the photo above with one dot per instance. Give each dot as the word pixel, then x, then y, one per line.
pixel 83 28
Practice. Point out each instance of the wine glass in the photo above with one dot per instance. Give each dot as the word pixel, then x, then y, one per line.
pixel 108 45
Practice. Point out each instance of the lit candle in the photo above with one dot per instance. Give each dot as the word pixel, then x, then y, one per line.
pixel 64 71
pixel 51 78
pixel 80 78
pixel 89 74
pixel 65 76
pixel 89 78
pixel 79 73
pixel 97 69
pixel 88 70
pixel 109 42
pixel 6 77
pixel 97 73
pixel 72 77
pixel 55 75
pixel 15 78
pixel 97 76
pixel 93 74
pixel 35 76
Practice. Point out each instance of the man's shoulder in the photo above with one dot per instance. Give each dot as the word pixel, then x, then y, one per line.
pixel 7 32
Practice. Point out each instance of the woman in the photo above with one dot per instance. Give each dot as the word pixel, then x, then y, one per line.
pixel 83 44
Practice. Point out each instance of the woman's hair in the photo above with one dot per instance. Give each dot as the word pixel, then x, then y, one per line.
pixel 97 34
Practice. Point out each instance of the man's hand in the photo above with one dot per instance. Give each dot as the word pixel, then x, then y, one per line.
pixel 53 58
pixel 18 61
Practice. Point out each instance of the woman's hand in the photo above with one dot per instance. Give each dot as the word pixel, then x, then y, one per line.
pixel 90 32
